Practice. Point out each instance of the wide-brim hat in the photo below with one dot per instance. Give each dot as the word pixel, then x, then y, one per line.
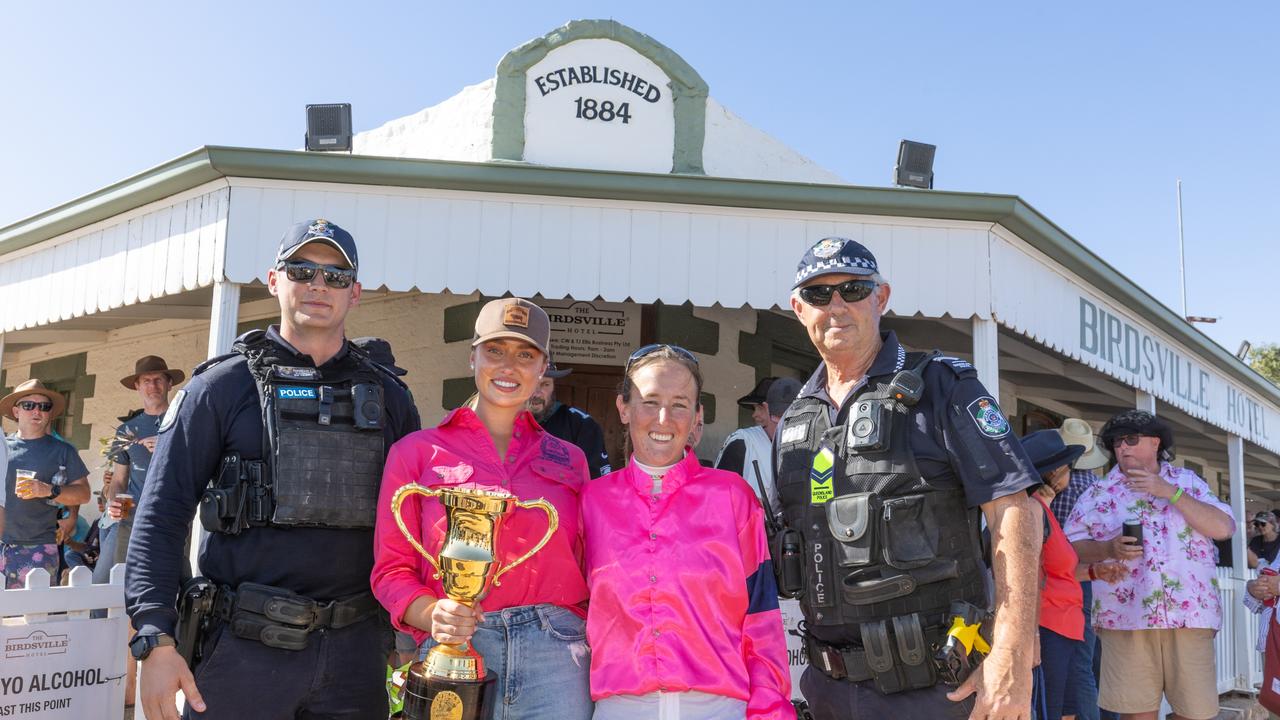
pixel 1075 431
pixel 149 364
pixel 1136 422
pixel 379 351
pixel 1048 452
pixel 32 387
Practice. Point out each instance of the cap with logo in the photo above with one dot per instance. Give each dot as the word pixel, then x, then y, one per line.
pixel 318 230
pixel 514 318
pixel 835 255
pixel 781 394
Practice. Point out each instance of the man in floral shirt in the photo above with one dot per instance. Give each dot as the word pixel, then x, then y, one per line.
pixel 1156 625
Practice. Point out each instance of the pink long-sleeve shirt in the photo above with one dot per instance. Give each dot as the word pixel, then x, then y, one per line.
pixel 459 453
pixel 682 589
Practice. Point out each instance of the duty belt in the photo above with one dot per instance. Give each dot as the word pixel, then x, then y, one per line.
pixel 283 619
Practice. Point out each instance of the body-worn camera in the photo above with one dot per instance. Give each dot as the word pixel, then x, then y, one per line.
pixel 366 401
pixel 869 425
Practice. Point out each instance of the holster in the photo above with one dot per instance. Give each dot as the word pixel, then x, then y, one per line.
pixel 282 619
pixel 897 662
pixel 195 608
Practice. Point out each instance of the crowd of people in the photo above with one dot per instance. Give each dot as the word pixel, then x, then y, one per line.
pixel 945 567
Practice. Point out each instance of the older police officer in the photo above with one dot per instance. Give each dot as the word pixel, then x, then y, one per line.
pixel 281 444
pixel 883 462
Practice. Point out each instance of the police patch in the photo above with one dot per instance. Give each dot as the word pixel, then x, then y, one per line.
pixel 293 392
pixel 828 247
pixel 296 373
pixel 794 433
pixel 989 418
pixel 171 414
pixel 821 487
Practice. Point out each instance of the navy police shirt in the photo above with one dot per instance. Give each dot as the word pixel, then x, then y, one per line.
pixel 959 434
pixel 218 412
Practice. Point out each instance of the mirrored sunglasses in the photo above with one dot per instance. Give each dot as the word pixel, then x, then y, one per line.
pixel 30 405
pixel 655 347
pixel 303 271
pixel 851 291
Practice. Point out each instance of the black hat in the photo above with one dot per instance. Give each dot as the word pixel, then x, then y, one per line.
pixel 556 373
pixel 781 394
pixel 318 230
pixel 835 255
pixel 1048 452
pixel 379 351
pixel 758 395
pixel 1136 422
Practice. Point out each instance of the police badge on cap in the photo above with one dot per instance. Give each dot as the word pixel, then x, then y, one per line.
pixel 835 255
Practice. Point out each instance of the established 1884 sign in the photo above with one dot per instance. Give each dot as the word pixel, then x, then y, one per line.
pixel 599 103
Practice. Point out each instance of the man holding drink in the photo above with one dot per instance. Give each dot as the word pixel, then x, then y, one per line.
pixel 44 473
pixel 1157 624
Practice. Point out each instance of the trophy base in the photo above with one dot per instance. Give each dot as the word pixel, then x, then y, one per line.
pixel 431 698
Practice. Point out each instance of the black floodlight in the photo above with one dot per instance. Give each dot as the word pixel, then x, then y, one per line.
pixel 329 127
pixel 915 165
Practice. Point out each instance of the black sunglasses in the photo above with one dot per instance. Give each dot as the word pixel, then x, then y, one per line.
pixel 302 271
pixel 1130 440
pixel 655 347
pixel 851 291
pixel 30 405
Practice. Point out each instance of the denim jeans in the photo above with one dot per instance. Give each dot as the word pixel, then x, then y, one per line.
pixel 1057 657
pixel 539 656
pixel 1084 683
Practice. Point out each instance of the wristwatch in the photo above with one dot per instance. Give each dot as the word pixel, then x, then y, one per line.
pixel 54 491
pixel 142 645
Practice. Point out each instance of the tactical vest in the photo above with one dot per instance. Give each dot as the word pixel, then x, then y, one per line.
pixel 884 552
pixel 322 443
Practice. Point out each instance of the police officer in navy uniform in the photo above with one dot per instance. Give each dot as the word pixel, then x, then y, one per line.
pixel 280 445
pixel 885 464
pixel 569 423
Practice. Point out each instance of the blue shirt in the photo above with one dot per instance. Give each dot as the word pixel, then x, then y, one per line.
pixel 138 457
pixel 34 522
pixel 217 412
pixel 1064 502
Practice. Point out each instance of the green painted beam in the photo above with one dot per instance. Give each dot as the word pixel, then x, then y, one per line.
pixel 213 162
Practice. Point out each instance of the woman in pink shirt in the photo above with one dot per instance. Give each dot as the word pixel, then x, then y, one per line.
pixel 684 618
pixel 530 629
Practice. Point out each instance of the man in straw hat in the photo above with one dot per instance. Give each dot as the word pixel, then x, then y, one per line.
pixel 152 379
pixel 44 474
pixel 281 445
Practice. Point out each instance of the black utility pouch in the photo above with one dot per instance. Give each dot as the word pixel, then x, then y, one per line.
pixel 222 503
pixel 908 532
pixel 850 519
pixel 788 553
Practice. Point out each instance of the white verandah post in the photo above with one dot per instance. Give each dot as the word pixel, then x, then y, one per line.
pixel 1241 643
pixel 986 354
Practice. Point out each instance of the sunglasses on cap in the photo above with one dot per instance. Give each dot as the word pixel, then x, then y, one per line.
pixel 851 291
pixel 655 347
pixel 303 271
pixel 30 405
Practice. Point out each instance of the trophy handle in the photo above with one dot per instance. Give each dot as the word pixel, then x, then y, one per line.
pixel 553 522
pixel 396 500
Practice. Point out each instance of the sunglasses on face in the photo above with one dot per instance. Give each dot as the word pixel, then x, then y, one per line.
pixel 851 291
pixel 650 349
pixel 1130 440
pixel 30 405
pixel 303 271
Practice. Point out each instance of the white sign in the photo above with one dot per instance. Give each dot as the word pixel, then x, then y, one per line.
pixel 70 669
pixel 1123 347
pixel 796 657
pixel 598 333
pixel 599 104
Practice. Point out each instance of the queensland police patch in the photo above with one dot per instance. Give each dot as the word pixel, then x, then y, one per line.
pixel 989 418
pixel 171 414
pixel 828 247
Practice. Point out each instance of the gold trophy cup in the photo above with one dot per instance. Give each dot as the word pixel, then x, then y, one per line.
pixel 451 683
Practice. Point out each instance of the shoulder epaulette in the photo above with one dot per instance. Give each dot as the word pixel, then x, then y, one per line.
pixel 579 413
pixel 211 362
pixel 956 365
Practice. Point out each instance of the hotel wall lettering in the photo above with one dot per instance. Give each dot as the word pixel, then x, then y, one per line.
pixel 1168 373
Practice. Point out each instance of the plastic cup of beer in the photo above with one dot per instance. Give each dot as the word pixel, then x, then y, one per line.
pixel 25 485
pixel 126 504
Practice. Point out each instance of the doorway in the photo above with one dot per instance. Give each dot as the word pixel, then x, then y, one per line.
pixel 592 389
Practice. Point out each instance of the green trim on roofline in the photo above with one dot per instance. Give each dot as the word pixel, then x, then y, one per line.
pixel 688 90
pixel 213 162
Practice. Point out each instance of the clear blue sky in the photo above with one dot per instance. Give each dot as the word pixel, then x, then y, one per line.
pixel 1089 111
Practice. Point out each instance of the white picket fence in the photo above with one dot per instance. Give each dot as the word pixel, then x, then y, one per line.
pixel 1230 676
pixel 39 604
